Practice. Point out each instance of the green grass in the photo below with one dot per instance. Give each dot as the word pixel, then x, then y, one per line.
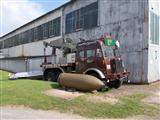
pixel 30 93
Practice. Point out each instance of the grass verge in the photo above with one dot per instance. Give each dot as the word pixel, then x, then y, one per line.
pixel 30 93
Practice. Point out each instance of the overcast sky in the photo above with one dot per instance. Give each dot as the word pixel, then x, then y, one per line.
pixel 15 13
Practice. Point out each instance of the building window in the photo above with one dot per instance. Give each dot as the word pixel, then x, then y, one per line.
pixel 25 39
pixel 57 26
pixel 51 29
pixel 28 36
pixel 17 39
pixel 14 41
pixel 31 35
pixel 70 22
pixel 79 19
pixel 1 44
pixel 154 28
pixel 45 30
pixel 6 43
pixel 90 15
pixel 36 34
pixel 54 27
pixel 9 42
pixel 40 32
pixel 84 18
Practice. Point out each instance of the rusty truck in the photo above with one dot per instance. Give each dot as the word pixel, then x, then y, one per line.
pixel 99 58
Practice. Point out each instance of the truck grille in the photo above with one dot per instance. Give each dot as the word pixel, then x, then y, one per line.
pixel 117 66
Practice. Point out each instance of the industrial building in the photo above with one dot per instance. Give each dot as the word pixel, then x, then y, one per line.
pixel 135 23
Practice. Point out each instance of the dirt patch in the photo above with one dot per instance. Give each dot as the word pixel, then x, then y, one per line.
pixel 141 117
pixel 106 99
pixel 112 97
pixel 154 98
pixel 63 94
pixel 152 90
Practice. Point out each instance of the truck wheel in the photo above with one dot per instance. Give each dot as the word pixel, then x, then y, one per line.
pixel 94 75
pixel 109 85
pixel 51 76
pixel 117 83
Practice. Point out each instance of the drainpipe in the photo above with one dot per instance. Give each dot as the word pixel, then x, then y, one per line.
pixel 99 12
pixel 62 24
pixel 25 59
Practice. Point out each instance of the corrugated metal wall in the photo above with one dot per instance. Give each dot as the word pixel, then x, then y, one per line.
pixel 126 21
pixel 22 64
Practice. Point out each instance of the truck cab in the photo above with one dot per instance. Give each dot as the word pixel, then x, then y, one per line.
pixel 101 58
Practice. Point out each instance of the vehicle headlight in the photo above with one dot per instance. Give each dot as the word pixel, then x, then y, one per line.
pixel 122 64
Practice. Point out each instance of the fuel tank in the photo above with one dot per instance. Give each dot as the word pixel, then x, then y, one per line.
pixel 80 82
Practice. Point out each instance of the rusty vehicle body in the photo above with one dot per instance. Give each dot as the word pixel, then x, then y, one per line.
pixel 92 57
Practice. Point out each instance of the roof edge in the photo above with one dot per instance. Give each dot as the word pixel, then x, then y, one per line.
pixel 71 1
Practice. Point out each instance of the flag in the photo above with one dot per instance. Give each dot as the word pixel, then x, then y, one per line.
pixel 109 42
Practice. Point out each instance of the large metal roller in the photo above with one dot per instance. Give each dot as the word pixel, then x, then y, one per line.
pixel 80 82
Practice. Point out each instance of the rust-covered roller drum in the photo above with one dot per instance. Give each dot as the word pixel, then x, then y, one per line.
pixel 80 82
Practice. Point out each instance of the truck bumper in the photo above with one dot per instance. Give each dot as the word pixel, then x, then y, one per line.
pixel 120 76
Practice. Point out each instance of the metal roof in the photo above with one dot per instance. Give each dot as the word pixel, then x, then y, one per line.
pixel 71 1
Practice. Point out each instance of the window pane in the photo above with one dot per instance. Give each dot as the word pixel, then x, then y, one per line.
pixel 81 54
pixel 154 28
pixel 1 44
pixel 83 18
pixel 32 35
pixel 17 40
pixel 90 53
pixel 91 15
pixel 22 38
pixel 40 32
pixel 57 26
pixel 25 37
pixel 28 36
pixel 14 41
pixel 45 30
pixel 5 43
pixel 50 28
pixel 35 33
pixel 9 42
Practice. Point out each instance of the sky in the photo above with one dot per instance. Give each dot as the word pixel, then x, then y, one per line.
pixel 15 13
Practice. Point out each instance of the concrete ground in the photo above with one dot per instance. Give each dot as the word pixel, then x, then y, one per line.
pixel 23 113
